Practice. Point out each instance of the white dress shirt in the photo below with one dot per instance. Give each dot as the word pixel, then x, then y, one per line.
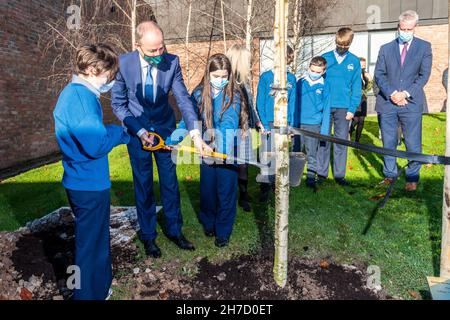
pixel 144 70
pixel 340 58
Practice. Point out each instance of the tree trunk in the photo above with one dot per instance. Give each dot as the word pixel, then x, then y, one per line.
pixel 223 27
pixel 281 145
pixel 188 27
pixel 133 24
pixel 297 31
pixel 248 41
pixel 248 32
pixel 445 246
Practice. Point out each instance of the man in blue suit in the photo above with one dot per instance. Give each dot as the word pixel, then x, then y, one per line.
pixel 140 101
pixel 403 68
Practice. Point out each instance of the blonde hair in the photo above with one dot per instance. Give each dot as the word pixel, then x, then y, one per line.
pixel 344 36
pixel 240 58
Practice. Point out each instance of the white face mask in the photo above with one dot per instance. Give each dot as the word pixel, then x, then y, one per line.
pixel 106 87
pixel 101 84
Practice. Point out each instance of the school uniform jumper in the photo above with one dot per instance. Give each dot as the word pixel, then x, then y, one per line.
pixel 343 76
pixel 312 114
pixel 218 182
pixel 85 143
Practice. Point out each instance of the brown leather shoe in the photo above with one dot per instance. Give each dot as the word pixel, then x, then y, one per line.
pixel 411 186
pixel 387 182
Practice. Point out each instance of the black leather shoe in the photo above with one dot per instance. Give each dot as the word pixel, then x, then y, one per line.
pixel 342 182
pixel 321 179
pixel 151 249
pixel 311 183
pixel 221 242
pixel 210 233
pixel 182 243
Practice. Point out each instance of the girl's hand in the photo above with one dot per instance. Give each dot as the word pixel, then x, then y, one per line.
pixel 201 146
pixel 349 116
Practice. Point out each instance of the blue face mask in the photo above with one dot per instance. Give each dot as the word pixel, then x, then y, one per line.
pixel 106 87
pixel 314 76
pixel 219 83
pixel 405 36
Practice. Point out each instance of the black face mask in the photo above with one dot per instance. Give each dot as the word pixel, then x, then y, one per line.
pixel 341 51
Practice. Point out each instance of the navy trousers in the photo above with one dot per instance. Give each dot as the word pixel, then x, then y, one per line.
pixel 411 124
pixel 142 166
pixel 218 196
pixel 310 146
pixel 341 130
pixel 92 248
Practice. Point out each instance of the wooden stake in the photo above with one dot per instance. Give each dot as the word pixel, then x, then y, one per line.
pixel 281 145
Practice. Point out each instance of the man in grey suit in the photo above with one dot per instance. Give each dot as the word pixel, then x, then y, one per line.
pixel 403 69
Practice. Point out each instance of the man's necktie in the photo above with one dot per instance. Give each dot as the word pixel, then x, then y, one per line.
pixel 404 52
pixel 149 86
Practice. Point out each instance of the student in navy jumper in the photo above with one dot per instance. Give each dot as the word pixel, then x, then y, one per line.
pixel 312 113
pixel 219 110
pixel 265 104
pixel 85 143
pixel 344 78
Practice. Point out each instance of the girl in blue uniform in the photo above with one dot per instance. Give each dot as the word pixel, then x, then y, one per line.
pixel 219 109
pixel 85 143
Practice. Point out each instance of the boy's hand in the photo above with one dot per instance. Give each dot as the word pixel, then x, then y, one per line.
pixel 349 116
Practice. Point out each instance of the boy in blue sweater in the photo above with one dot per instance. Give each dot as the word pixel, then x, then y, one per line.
pixel 85 143
pixel 312 113
pixel 343 76
pixel 265 104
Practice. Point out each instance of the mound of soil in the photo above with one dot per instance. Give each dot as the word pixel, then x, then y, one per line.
pixel 251 277
pixel 34 260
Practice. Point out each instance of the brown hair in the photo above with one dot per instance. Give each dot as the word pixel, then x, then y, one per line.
pixel 362 59
pixel 318 62
pixel 220 62
pixel 344 36
pixel 99 57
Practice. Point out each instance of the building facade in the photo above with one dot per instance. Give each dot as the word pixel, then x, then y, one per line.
pixel 27 101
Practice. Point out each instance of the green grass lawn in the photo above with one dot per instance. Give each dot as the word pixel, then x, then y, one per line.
pixel 403 239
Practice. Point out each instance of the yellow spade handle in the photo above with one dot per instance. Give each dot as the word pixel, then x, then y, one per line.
pixel 162 145
pixel 194 150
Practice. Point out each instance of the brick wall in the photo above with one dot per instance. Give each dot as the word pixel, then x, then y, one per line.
pixel 198 52
pixel 26 100
pixel 434 90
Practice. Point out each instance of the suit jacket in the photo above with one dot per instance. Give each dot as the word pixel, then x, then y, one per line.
pixel 412 77
pixel 135 112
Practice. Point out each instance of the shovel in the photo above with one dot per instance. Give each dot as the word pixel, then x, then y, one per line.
pixel 160 145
